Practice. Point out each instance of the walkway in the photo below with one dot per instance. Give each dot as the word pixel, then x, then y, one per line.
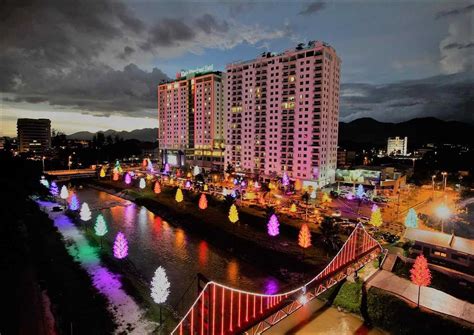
pixel 430 298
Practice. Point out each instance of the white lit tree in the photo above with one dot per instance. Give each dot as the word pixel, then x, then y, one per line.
pixel 64 192
pixel 85 212
pixel 196 170
pixel 160 287
pixel 142 183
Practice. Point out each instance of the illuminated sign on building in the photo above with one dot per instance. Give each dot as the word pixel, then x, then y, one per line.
pixel 205 68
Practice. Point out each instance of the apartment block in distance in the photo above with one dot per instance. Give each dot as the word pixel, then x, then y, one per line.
pixel 397 146
pixel 191 119
pixel 283 114
pixel 34 135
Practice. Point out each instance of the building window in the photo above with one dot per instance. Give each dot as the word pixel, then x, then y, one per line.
pixel 439 253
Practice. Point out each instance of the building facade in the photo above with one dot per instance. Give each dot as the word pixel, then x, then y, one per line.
pixel 191 120
pixel 34 135
pixel 283 114
pixel 397 146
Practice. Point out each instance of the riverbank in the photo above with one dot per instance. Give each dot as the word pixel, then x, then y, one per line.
pixel 247 239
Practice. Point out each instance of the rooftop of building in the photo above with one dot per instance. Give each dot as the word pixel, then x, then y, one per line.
pixel 441 239
pixel 190 76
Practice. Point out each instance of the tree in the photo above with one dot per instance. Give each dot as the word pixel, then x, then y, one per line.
pixel 117 166
pixel 420 274
pixel 376 218
pixel 167 168
pixel 100 227
pixel 142 184
pixel 293 208
pixel 360 191
pixel 285 180
pixel 411 220
pixel 196 170
pixel 120 246
pixel 85 212
pixel 53 189
pixel 233 214
pixel 150 166
pixel 44 182
pixel 298 185
pixel 115 176
pixel 313 194
pixel 330 234
pixel 102 172
pixel 273 226
pixel 157 188
pixel 179 195
pixel 64 192
pixel 304 237
pixel 160 287
pixel 326 198
pixel 128 179
pixel 73 203
pixel 145 163
pixel 203 201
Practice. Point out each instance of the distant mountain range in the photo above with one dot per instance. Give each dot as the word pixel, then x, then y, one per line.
pixel 145 135
pixel 355 133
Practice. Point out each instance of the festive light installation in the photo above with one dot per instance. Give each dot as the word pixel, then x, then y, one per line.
pixel 293 208
pixel 360 191
pixel 273 226
pixel 150 166
pixel 376 218
pixel 412 219
pixel 206 188
pixel 73 203
pixel 102 172
pixel 233 214
pixel 188 184
pixel 120 246
pixel 44 182
pixel 285 180
pixel 298 185
pixel 304 237
pixel 326 198
pixel 100 227
pixel 128 179
pixel 157 188
pixel 196 170
pixel 64 192
pixel 145 163
pixel 142 183
pixel 313 194
pixel 53 189
pixel 179 195
pixel 374 208
pixel 85 212
pixel 160 287
pixel 420 274
pixel 256 185
pixel 117 167
pixel 203 201
pixel 115 176
pixel 167 168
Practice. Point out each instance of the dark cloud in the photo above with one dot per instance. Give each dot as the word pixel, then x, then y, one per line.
pixel 209 24
pixel 447 97
pixel 312 8
pixel 454 12
pixel 127 52
pixel 458 46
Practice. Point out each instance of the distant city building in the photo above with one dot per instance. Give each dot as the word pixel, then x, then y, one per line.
pixel 345 158
pixel 397 146
pixel 283 114
pixel 191 119
pixel 34 135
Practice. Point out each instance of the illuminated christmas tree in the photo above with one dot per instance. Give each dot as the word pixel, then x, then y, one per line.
pixel 150 166
pixel 160 287
pixel 120 246
pixel 374 208
pixel 188 184
pixel 360 191
pixel 115 176
pixel 233 214
pixel 157 188
pixel 85 212
pixel 128 179
pixel 44 182
pixel 102 172
pixel 412 219
pixel 273 226
pixel 145 163
pixel 167 168
pixel 298 185
pixel 326 198
pixel 293 208
pixel 53 189
pixel 117 167
pixel 100 226
pixel 196 170
pixel 376 218
pixel 64 192
pixel 179 195
pixel 206 188
pixel 420 274
pixel 313 194
pixel 285 180
pixel 73 203
pixel 142 183
pixel 203 201
pixel 304 237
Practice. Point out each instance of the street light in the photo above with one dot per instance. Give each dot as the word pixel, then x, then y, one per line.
pixel 433 182
pixel 443 212
pixel 43 162
pixel 445 178
pixel 69 162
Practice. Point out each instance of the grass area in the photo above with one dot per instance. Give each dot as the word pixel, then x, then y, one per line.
pixel 439 281
pixel 398 317
pixel 349 297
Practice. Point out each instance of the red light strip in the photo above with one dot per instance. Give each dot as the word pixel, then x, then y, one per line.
pixel 213 309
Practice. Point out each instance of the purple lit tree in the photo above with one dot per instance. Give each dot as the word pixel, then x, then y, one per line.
pixel 167 168
pixel 128 179
pixel 53 189
pixel 285 180
pixel 73 203
pixel 360 191
pixel 273 226
pixel 120 246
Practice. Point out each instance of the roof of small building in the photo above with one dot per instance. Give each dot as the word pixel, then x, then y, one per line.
pixel 441 239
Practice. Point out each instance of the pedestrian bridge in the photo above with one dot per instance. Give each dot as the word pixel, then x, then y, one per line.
pixel 220 309
pixel 62 175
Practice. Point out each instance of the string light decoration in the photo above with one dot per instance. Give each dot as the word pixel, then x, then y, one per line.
pixel 145 163
pixel 160 287
pixel 304 237
pixel 411 220
pixel 360 191
pixel 100 227
pixel 233 214
pixel 142 183
pixel 64 193
pixel 293 208
pixel 85 212
pixel 73 203
pixel 206 188
pixel 115 176
pixel 53 189
pixel 273 226
pixel 102 172
pixel 44 182
pixel 376 218
pixel 420 274
pixel 285 180
pixel 117 167
pixel 203 202
pixel 179 196
pixel 128 179
pixel 120 246
pixel 157 188
pixel 196 170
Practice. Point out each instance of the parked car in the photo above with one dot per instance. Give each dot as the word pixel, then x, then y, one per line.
pixel 336 214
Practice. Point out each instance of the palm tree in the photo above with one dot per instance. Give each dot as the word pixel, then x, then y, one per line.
pixel 330 234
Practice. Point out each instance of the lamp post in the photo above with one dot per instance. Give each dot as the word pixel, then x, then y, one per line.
pixel 445 179
pixel 43 161
pixel 433 182
pixel 443 212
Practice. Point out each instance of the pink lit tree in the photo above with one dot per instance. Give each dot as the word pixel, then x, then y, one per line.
pixel 120 246
pixel 285 180
pixel 128 179
pixel 53 189
pixel 273 226
pixel 420 274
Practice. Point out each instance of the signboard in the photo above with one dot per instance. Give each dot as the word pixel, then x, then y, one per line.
pixel 205 68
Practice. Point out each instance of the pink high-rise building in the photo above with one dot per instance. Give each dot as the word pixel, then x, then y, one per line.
pixel 191 119
pixel 283 114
